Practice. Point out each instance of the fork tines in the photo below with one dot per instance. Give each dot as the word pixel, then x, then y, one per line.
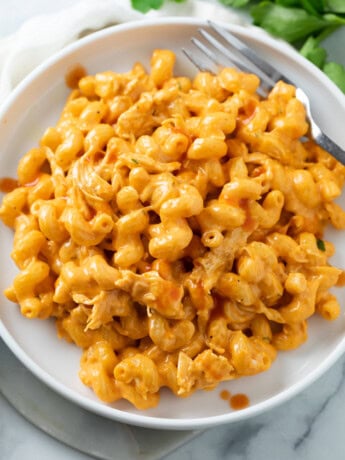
pixel 218 48
pixel 227 50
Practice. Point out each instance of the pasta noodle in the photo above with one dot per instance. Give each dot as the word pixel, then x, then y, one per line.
pixel 174 229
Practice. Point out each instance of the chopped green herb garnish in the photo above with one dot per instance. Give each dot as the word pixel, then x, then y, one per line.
pixel 135 161
pixel 321 245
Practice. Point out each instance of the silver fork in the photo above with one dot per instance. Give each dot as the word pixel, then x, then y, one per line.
pixel 231 50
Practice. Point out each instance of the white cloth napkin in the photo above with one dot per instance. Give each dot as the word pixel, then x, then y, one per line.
pixel 43 35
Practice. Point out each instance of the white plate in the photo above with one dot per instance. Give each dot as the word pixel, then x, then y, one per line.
pixel 34 105
pixel 83 430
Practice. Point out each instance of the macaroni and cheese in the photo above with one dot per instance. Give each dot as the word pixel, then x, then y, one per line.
pixel 174 229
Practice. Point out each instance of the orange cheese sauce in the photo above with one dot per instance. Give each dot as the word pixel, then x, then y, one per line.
pixel 7 184
pixel 74 75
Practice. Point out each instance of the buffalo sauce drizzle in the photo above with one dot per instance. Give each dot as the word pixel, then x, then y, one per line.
pixel 225 395
pixel 237 401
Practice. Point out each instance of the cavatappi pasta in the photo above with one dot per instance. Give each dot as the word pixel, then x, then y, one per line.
pixel 173 227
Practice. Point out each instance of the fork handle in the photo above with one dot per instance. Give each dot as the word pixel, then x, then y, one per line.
pixel 317 134
pixel 326 143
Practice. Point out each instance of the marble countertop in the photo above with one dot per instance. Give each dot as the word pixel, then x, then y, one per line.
pixel 309 427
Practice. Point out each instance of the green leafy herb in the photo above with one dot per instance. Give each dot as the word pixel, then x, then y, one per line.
pixel 288 2
pixel 235 3
pixel 312 6
pixel 321 245
pixel 337 6
pixel 135 161
pixel 146 5
pixel 314 52
pixel 303 23
pixel 291 24
pixel 336 72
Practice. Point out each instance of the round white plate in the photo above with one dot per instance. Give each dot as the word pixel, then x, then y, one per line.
pixel 89 433
pixel 36 104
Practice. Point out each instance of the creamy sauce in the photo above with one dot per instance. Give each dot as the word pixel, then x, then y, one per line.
pixel 249 223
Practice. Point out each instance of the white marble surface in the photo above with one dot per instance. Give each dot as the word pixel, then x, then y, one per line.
pixel 309 427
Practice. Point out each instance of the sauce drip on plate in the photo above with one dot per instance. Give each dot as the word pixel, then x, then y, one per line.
pixel 237 401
